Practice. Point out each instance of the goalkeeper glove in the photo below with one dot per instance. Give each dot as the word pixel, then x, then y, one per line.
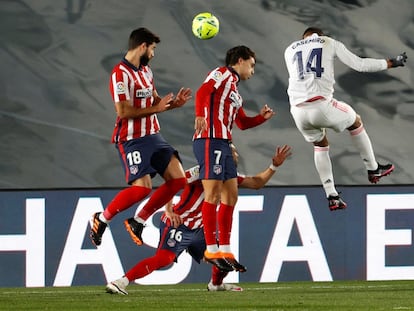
pixel 399 60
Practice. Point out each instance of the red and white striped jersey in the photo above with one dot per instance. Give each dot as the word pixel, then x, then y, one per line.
pixel 191 200
pixel 189 206
pixel 218 101
pixel 136 85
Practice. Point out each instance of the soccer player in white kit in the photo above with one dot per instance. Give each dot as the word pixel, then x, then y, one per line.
pixel 310 63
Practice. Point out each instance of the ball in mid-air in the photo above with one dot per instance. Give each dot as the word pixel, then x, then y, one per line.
pixel 205 26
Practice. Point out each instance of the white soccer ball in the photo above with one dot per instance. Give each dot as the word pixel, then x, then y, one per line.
pixel 205 26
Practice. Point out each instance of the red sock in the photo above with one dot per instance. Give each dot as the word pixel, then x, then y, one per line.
pixel 125 199
pixel 217 275
pixel 161 259
pixel 162 196
pixel 225 221
pixel 209 222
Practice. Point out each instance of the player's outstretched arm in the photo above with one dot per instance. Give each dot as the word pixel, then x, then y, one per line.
pixel 244 122
pixel 259 180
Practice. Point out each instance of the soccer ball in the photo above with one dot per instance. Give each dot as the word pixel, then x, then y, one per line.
pixel 205 26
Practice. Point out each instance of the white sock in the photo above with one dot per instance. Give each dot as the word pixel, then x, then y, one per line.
pixel 362 142
pixel 102 218
pixel 140 220
pixel 324 167
pixel 212 248
pixel 124 281
pixel 225 248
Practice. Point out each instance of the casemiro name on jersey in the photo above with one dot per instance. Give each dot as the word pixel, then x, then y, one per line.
pixel 305 41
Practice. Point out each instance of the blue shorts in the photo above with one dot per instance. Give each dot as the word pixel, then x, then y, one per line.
pixel 215 159
pixel 145 155
pixel 179 239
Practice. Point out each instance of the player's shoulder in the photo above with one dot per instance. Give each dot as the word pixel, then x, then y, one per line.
pixel 327 39
pixel 294 46
pixel 291 46
pixel 122 67
pixel 218 73
pixel 220 70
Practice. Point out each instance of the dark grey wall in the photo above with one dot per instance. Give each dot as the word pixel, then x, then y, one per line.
pixel 56 115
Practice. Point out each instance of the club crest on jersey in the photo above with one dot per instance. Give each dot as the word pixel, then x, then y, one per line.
pixel 143 93
pixel 217 169
pixel 236 99
pixel 133 169
pixel 171 242
pixel 120 88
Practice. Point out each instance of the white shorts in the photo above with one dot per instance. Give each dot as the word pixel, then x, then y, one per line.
pixel 312 118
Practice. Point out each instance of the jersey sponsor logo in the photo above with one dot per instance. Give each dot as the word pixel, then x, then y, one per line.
pixel 133 169
pixel 236 99
pixel 120 88
pixel 143 93
pixel 217 169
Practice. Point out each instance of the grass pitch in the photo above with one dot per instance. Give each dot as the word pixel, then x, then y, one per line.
pixel 338 295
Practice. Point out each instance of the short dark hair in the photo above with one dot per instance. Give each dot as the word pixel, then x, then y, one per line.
pixel 233 55
pixel 310 30
pixel 142 35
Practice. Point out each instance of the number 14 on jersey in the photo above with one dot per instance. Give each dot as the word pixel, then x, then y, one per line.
pixel 313 63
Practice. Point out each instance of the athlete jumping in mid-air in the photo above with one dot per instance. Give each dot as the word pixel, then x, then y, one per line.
pixel 310 63
pixel 218 105
pixel 142 149
pixel 186 231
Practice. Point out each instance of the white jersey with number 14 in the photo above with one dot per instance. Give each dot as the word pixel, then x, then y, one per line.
pixel 310 63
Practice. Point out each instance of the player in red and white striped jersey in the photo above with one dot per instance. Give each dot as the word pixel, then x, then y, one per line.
pixel 142 149
pixel 186 231
pixel 218 105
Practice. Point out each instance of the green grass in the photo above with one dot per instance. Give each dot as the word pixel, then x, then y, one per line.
pixel 349 295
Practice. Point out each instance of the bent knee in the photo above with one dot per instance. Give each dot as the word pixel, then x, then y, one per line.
pixel 322 143
pixel 165 258
pixel 357 123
